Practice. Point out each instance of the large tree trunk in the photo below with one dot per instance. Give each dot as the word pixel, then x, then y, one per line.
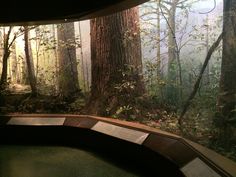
pixel 14 69
pixel 82 59
pixel 24 73
pixel 6 54
pixel 4 68
pixel 29 62
pixel 227 95
pixel 68 73
pixel 171 40
pixel 172 91
pixel 116 61
pixel 56 60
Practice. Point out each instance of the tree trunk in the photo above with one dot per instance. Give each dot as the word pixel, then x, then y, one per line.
pixel 14 69
pixel 207 72
pixel 6 54
pixel 172 91
pixel 116 61
pixel 24 73
pixel 37 50
pixel 56 60
pixel 158 39
pixel 29 63
pixel 227 96
pixel 171 41
pixel 68 73
pixel 82 58
pixel 4 68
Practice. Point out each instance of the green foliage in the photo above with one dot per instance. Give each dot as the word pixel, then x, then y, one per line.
pixel 77 105
pixel 128 85
pixel 159 85
pixel 46 81
pixel 126 93
pixel 123 110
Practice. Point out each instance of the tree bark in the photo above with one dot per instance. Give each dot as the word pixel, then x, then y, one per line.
pixel 68 73
pixel 116 60
pixel 158 39
pixel 227 94
pixel 56 61
pixel 82 59
pixel 24 73
pixel 171 41
pixel 6 54
pixel 29 63
pixel 173 56
pixel 14 69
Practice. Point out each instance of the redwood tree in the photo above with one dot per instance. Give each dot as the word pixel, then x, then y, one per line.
pixel 29 62
pixel 116 62
pixel 226 117
pixel 68 73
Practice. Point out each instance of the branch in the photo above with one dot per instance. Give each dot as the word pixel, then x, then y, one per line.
pixel 19 33
pixel 14 38
pixel 197 83
pixel 6 39
pixel 171 30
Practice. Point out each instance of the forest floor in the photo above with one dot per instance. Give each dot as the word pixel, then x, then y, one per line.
pixel 17 99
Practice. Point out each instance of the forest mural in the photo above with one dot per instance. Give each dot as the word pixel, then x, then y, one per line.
pixel 170 64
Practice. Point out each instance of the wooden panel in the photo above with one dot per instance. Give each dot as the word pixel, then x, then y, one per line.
pixel 36 121
pixel 80 122
pixel 171 148
pixel 127 134
pixel 224 163
pixel 197 168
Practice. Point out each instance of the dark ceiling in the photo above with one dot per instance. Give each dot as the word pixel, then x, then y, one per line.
pixel 23 12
